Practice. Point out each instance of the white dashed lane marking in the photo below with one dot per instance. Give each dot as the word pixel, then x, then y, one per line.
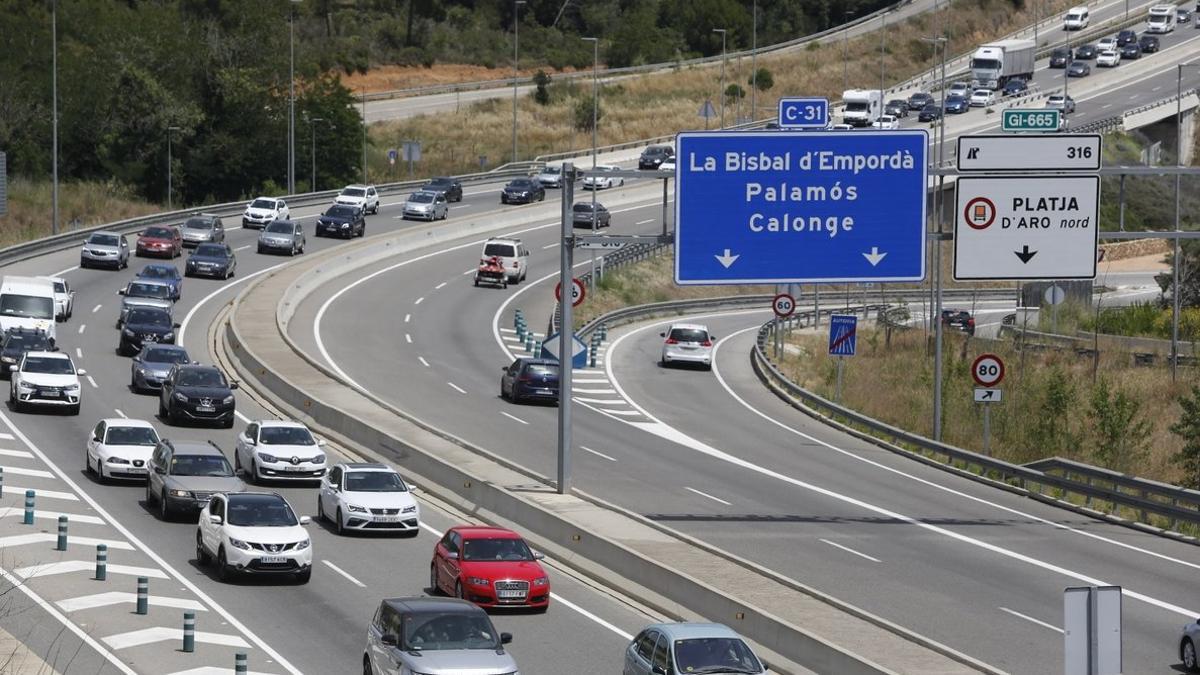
pixel 344 573
pixel 96 308
pixel 597 453
pixel 708 496
pixel 457 388
pixel 514 418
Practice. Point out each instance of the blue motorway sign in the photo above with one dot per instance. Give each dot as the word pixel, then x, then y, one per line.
pixel 843 334
pixel 816 207
pixel 803 113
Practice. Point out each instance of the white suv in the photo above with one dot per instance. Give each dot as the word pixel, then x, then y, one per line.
pixel 687 343
pixel 368 497
pixel 278 450
pixel 264 211
pixel 365 197
pixel 512 254
pixel 45 379
pixel 254 533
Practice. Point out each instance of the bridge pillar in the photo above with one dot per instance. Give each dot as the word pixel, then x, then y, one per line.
pixel 1188 136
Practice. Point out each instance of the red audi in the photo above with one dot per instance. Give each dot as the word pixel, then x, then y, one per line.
pixel 164 241
pixel 491 567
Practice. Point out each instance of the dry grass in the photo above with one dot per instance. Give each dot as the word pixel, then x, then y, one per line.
pixel 79 205
pixel 388 78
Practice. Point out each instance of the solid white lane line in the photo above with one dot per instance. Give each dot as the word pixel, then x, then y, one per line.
pixel 440 286
pixel 705 494
pixel 419 300
pixel 847 549
pixel 92 382
pixel 78 353
pixel 514 418
pixel 344 573
pixel 407 317
pixel 96 308
pixel 242 248
pixel 457 388
pixel 1030 619
pixel 192 312
pixel 423 361
pixel 597 453
pixel 119 413
pixel 82 327
pixel 550 246
pixel 408 338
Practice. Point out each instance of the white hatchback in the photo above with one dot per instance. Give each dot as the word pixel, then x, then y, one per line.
pixel 278 450
pixel 1108 58
pixel 365 197
pixel 46 379
pixel 597 180
pixel 253 533
pixel 368 497
pixel 687 343
pixel 982 97
pixel 120 448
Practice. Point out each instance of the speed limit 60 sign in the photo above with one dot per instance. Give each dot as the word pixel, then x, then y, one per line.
pixel 987 370
pixel 578 291
pixel 783 305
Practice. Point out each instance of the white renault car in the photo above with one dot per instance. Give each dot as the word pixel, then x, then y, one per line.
pixel 264 211
pixel 365 197
pixel 253 533
pixel 687 343
pixel 120 448
pixel 368 497
pixel 45 379
pixel 278 450
pixel 597 180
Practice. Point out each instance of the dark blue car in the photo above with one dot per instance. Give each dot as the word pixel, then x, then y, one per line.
pixel 530 379
pixel 1015 86
pixel 166 274
pixel 956 105
pixel 211 260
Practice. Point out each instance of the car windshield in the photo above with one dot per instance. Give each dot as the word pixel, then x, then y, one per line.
pixel 158 233
pixel 354 192
pixel 374 481
pixel 521 184
pixel 148 291
pixel 28 306
pixel 27 342
pixel 441 182
pixel 48 365
pixel 285 436
pixel 260 511
pixel 201 378
pixel 688 335
pixel 198 224
pixel 496 550
pixel 421 197
pixel 502 250
pixel 103 239
pixel 149 317
pixel 714 655
pixel 163 355
pixel 267 204
pixel 552 170
pixel 438 632
pixel 159 272
pixel 131 436
pixel 856 106
pixel 340 211
pixel 210 251
pixel 200 465
pixel 280 227
pixel 655 151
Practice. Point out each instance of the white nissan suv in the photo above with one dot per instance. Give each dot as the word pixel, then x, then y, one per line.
pixel 279 450
pixel 45 379
pixel 368 497
pixel 253 533
pixel 365 197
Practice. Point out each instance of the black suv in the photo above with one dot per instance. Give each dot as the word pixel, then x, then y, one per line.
pixel 959 320
pixel 17 341
pixel 1061 57
pixel 199 393
pixel 521 191
pixel 1148 43
pixel 342 220
pixel 1126 37
pixel 450 187
pixel 143 326
pixel 655 155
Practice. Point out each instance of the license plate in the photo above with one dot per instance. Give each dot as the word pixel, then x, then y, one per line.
pixel 510 594
pixel 52 393
pixel 387 519
pixel 205 408
pixel 273 559
pixel 294 469
pixel 134 469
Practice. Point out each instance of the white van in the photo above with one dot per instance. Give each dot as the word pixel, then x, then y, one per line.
pixel 1077 18
pixel 1161 19
pixel 27 302
pixel 513 255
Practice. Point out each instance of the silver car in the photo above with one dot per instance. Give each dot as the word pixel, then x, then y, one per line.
pixel 426 205
pixel 152 365
pixel 144 294
pixel 1188 645
pixel 681 648
pixel 104 249
pixel 435 636
pixel 184 475
pixel 551 176
pixel 203 229
pixel 282 236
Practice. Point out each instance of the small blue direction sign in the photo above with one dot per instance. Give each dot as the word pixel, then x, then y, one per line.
pixel 550 350
pixel 816 207
pixel 843 335
pixel 803 113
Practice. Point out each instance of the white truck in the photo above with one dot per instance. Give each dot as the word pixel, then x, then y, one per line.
pixel 27 302
pixel 1161 19
pixel 861 106
pixel 995 63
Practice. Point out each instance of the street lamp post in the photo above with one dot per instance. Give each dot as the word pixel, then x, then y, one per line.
pixel 54 113
pixel 754 63
pixel 313 127
pixel 882 37
pixel 364 116
pixel 291 172
pixel 722 32
pixel 595 122
pixel 169 186
pixel 845 54
pixel 1176 266
pixel 939 41
pixel 516 45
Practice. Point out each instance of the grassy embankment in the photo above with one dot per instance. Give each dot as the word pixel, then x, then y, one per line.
pixel 79 205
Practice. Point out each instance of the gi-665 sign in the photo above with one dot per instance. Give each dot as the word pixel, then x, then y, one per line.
pixel 1035 119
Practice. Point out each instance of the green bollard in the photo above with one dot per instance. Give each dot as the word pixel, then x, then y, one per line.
pixel 29 495
pixel 189 632
pixel 143 595
pixel 240 666
pixel 62 534
pixel 101 562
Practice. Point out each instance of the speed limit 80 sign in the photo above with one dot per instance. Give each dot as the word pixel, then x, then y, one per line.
pixel 988 370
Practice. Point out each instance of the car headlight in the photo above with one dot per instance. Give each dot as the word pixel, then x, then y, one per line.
pixel 345 226
pixel 182 398
pixel 410 509
pixel 227 400
pixel 168 336
pixel 541 581
pixel 354 508
pixel 71 387
pixel 7 359
pixel 25 386
pixel 117 460
pixel 191 263
pixel 238 543
pixel 128 333
pixel 304 544
pixel 477 581
pixel 180 493
pixel 267 458
pixel 319 459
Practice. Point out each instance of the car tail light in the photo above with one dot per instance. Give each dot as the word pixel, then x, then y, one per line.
pixel 706 343
pixel 672 341
pixel 971 322
pixel 525 378
pixel 514 263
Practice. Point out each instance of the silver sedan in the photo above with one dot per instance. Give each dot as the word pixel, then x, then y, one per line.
pixel 282 235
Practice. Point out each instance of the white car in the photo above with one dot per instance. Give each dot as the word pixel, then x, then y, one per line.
pixel 687 343
pixel 667 165
pixel 45 379
pixel 365 197
pixel 886 122
pixel 120 448
pixel 551 176
pixel 278 450
pixel 842 127
pixel 982 97
pixel 254 533
pixel 264 211
pixel 599 181
pixel 1107 44
pixel 64 298
pixel 1108 58
pixel 368 497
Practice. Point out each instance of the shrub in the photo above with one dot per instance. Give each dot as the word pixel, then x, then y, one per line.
pixel 584 114
pixel 1118 426
pixel 1188 428
pixel 763 80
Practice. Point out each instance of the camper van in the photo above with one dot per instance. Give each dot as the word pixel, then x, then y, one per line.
pixel 1077 18
pixel 27 302
pixel 1161 19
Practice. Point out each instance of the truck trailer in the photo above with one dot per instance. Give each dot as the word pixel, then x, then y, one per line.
pixel 995 63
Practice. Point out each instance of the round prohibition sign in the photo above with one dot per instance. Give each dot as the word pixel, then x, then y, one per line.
pixel 783 305
pixel 988 370
pixel 578 292
pixel 980 213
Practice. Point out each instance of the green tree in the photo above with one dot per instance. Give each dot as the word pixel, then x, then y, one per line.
pixel 541 95
pixel 1119 428
pixel 583 114
pixel 763 80
pixel 1052 433
pixel 1188 428
pixel 734 92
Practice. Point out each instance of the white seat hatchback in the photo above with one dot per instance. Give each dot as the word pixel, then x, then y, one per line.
pixel 120 448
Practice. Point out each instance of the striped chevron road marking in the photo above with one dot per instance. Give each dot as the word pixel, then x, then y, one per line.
pixel 213 670
pixel 49 494
pixel 13 512
pixel 18 471
pixel 71 566
pixel 145 636
pixel 119 597
pixel 40 537
pixel 17 453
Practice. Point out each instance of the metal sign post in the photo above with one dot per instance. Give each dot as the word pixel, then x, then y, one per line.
pixel 986 396
pixel 843 342
pixel 565 366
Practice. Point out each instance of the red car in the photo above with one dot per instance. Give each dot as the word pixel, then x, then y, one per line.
pixel 164 241
pixel 491 567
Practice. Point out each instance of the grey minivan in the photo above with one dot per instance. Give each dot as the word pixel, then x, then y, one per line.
pixel 435 636
pixel 680 648
pixel 184 475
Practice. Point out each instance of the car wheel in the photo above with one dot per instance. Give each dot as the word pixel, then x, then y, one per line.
pixel 149 494
pixel 367 669
pixel 73 410
pixel 320 508
pixel 252 475
pixel 292 253
pixel 202 556
pixel 338 526
pixel 434 588
pixel 172 416
pixel 1187 654
pixel 87 463
pixel 100 471
pixel 224 573
pixel 303 577
pixel 164 509
pixel 228 424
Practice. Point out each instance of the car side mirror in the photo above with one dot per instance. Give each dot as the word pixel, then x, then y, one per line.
pixel 233 385
pixel 12 369
pixel 452 555
pixel 81 371
pixel 658 670
pixel 160 471
pixel 321 442
pixel 388 639
pixel 137 359
pixel 538 555
pixel 215 520
pixel 175 325
pixel 121 292
pixel 505 638
pixel 304 520
pixel 662 335
pixel 765 666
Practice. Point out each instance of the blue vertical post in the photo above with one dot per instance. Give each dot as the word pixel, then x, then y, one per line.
pixel 240 667
pixel 189 632
pixel 143 595
pixel 62 534
pixel 101 562
pixel 29 494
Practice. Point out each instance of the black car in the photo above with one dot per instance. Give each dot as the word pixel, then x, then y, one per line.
pixel 1078 69
pixel 1131 51
pixel 1148 43
pixel 1015 86
pixel 1126 37
pixel 522 191
pixel 211 260
pixel 959 320
pixel 655 155
pixel 342 220
pixel 1061 57
pixel 17 341
pixel 956 105
pixel 896 107
pixel 582 215
pixel 1085 52
pixel 529 379
pixel 931 112
pixel 152 365
pixel 919 100
pixel 197 393
pixel 143 326
pixel 450 187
